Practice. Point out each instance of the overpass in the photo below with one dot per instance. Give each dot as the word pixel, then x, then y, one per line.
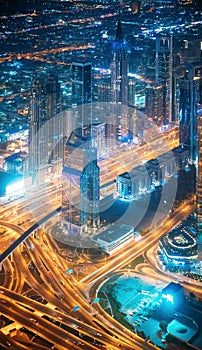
pixel 26 234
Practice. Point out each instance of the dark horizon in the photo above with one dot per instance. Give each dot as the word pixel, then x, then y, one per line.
pixel 11 6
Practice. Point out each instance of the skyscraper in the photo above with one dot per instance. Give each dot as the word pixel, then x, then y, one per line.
pixel 199 186
pixel 119 69
pixel 190 96
pixel 119 88
pixel 163 77
pixel 98 139
pixel 81 184
pixel 81 90
pixel 45 129
pixel 102 90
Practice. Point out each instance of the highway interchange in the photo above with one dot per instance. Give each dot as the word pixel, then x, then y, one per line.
pixel 39 292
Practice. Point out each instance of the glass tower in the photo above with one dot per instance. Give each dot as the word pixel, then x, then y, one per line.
pixel 163 77
pixel 81 91
pixel 81 184
pixel 199 186
pixel 45 129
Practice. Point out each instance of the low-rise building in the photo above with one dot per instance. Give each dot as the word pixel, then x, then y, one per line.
pixel 178 248
pixel 114 238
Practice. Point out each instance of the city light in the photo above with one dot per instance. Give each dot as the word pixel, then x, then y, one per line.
pixel 100 174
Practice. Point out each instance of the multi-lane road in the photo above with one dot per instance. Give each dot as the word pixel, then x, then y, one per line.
pixel 41 272
pixel 45 301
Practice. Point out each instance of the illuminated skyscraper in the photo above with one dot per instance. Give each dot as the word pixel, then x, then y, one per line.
pixel 119 89
pixel 102 90
pixel 81 90
pixel 45 129
pixel 98 139
pixel 81 184
pixel 119 70
pixel 190 97
pixel 199 186
pixel 154 105
pixel 164 59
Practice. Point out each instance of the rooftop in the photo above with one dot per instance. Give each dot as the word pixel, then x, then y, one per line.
pixel 114 233
pixel 172 288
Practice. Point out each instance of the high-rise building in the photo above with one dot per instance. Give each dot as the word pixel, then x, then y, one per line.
pixel 81 82
pixel 199 186
pixel 119 85
pixel 190 97
pixel 163 76
pixel 97 133
pixel 98 139
pixel 101 90
pixel 81 91
pixel 191 52
pixel 81 184
pixel 131 91
pixel 119 69
pixel 153 103
pixel 45 129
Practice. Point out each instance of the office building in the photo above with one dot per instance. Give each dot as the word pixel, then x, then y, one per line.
pixel 179 248
pixel 16 163
pixel 172 297
pixel 199 187
pixel 181 155
pixel 190 52
pixel 98 139
pixel 163 74
pixel 45 129
pixel 101 90
pixel 190 97
pixel 81 184
pixel 130 185
pixel 132 91
pixel 81 92
pixel 97 132
pixel 119 69
pixel 119 87
pixel 114 238
pixel 155 172
pixel 154 101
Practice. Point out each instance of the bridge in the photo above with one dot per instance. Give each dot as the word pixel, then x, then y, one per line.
pixel 26 234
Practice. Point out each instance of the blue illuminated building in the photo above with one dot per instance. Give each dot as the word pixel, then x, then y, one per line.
pixel 145 178
pixel 16 163
pixel 81 184
pixel 10 184
pixel 119 69
pixel 190 90
pixel 130 185
pixel 172 297
pixel 119 88
pixel 164 61
pixel 179 248
pixel 199 187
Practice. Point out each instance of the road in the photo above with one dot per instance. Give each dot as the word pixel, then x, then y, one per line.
pixel 37 270
pixel 62 292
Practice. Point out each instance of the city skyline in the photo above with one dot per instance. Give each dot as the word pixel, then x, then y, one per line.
pixel 100 175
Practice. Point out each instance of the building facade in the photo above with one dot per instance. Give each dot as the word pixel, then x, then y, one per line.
pixel 199 187
pixel 190 86
pixel 81 92
pixel 45 129
pixel 114 238
pixel 119 86
pixel 81 185
pixel 163 75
